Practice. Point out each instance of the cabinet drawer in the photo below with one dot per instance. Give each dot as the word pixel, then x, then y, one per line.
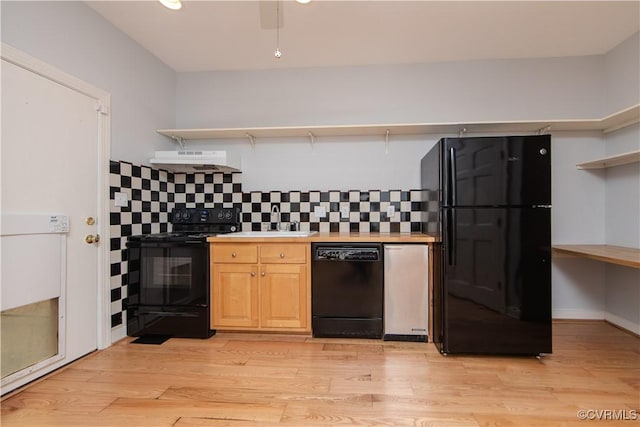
pixel 283 254
pixel 236 253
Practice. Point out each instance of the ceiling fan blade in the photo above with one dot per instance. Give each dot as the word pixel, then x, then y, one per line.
pixel 271 14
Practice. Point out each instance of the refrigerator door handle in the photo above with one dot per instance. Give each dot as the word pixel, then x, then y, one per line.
pixel 450 226
pixel 453 176
pixel 454 237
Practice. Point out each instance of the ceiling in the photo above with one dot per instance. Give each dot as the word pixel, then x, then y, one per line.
pixel 241 35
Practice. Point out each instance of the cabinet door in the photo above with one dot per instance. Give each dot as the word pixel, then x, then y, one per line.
pixel 284 296
pixel 234 295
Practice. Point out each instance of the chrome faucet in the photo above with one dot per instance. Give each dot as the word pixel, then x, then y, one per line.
pixel 275 210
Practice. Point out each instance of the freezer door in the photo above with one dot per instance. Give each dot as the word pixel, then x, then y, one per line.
pixel 497 171
pixel 496 292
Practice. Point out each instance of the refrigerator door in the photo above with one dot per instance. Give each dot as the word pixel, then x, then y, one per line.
pixel 496 288
pixel 497 171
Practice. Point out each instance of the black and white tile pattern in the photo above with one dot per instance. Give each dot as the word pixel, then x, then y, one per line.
pixel 154 193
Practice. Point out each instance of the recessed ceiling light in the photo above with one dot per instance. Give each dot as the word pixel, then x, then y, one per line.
pixel 171 4
pixel 303 1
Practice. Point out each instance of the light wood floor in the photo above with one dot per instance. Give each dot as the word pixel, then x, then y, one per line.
pixel 251 380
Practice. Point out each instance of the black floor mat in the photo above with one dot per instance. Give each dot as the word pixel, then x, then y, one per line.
pixel 151 339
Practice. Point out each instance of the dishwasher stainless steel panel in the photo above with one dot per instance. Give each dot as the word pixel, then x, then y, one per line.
pixel 406 298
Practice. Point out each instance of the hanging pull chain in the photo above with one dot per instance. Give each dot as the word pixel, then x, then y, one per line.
pixel 277 53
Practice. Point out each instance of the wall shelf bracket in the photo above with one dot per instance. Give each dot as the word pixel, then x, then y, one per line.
pixel 252 140
pixel 544 131
pixel 312 139
pixel 386 141
pixel 180 141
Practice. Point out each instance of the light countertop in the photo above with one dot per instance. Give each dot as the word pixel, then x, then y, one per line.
pixel 332 237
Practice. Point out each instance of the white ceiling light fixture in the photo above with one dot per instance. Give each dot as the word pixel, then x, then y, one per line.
pixel 171 4
pixel 303 1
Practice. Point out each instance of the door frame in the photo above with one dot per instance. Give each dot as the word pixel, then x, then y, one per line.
pixel 103 109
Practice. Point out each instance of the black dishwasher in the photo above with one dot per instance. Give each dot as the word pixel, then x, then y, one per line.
pixel 347 290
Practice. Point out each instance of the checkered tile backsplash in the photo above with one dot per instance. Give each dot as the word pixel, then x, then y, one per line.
pixel 154 193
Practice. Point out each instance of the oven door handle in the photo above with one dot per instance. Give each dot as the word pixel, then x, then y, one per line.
pixel 164 244
pixel 167 313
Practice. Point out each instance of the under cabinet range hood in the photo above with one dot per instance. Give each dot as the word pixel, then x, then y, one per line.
pixel 193 161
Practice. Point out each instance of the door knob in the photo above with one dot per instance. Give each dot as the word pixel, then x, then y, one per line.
pixel 90 238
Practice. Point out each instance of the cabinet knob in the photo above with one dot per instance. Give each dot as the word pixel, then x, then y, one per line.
pixel 281 254
pixel 253 274
pixel 233 255
pixel 262 273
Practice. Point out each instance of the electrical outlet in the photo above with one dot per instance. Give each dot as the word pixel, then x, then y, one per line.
pixel 121 200
pixel 391 211
pixel 320 212
pixel 344 213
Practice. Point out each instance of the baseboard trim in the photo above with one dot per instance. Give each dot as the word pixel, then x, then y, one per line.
pixel 617 321
pixel 118 333
pixel 621 323
pixel 569 313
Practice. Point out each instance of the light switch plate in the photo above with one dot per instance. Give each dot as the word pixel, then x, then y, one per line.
pixel 391 211
pixel 344 213
pixel 320 212
pixel 121 199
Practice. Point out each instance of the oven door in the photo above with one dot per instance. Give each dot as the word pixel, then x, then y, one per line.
pixel 168 274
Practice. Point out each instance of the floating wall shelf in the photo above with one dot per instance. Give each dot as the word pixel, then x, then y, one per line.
pixel 610 123
pixel 607 162
pixel 629 257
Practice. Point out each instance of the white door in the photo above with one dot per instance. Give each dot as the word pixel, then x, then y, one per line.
pixel 51 162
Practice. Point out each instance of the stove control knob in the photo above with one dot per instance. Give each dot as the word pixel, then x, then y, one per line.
pixel 228 215
pixel 178 216
pixel 233 228
pixel 186 215
pixel 220 215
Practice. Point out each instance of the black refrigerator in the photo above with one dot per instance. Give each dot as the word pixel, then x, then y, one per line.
pixel 488 201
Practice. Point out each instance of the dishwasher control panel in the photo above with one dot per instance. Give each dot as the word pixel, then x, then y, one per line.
pixel 346 253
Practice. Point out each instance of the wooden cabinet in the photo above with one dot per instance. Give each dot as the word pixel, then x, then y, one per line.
pixel 260 286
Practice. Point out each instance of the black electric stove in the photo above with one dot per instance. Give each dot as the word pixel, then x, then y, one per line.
pixel 168 288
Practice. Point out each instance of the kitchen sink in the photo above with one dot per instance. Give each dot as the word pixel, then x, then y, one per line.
pixel 271 234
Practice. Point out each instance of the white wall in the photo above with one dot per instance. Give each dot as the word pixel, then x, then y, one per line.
pixel 75 39
pixel 560 88
pixel 622 71
pixel 578 215
pixel 623 229
pixel 622 75
pixel 591 289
